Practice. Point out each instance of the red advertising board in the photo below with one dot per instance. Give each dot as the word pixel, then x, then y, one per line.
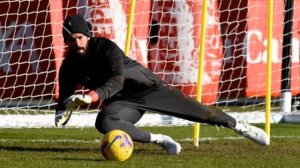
pixel 31 43
pixel 109 19
pixel 174 46
pixel 245 28
pixel 257 48
pixel 27 64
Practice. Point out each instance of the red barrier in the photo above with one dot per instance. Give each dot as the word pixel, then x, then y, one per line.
pixel 29 65
pixel 56 17
pixel 109 19
pixel 174 46
pixel 245 43
pixel 27 68
pixel 257 48
pixel 233 19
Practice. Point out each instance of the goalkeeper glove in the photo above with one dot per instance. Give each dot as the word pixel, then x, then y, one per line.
pixel 78 100
pixel 62 117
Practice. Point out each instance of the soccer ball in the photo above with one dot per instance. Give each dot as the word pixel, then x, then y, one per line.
pixel 116 145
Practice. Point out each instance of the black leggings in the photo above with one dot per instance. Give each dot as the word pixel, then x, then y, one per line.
pixel 123 114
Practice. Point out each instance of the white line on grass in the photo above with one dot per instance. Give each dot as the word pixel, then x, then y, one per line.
pixel 236 138
pixel 81 120
pixel 98 140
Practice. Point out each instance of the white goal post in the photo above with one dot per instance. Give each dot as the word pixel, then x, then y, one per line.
pixel 165 38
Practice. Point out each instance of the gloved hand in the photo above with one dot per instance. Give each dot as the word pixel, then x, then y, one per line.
pixel 62 117
pixel 77 100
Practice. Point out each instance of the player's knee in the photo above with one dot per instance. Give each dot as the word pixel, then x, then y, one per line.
pixel 103 125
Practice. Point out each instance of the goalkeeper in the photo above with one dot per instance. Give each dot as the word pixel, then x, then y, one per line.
pixel 127 90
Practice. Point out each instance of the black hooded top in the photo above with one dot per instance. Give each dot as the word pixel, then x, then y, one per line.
pixel 106 70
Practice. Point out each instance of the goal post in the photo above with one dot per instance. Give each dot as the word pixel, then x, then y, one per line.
pixel 165 37
pixel 286 99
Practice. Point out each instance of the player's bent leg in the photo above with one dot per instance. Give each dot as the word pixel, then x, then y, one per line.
pixel 109 121
pixel 166 142
pixel 251 132
pixel 123 118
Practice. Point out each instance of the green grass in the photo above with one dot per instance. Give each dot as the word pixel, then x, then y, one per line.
pixel 50 147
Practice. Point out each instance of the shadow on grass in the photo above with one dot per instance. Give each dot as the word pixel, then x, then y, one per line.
pixel 80 159
pixel 41 149
pixel 140 151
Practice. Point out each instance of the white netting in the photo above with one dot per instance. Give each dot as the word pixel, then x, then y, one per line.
pixel 244 34
pixel 165 38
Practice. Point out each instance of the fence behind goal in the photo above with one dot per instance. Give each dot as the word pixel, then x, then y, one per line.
pixel 165 38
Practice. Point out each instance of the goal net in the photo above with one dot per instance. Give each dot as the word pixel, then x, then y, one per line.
pixel 165 38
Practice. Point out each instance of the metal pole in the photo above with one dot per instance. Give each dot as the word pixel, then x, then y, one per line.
pixel 286 97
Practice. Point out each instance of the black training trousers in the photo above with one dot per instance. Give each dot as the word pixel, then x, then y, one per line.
pixel 123 114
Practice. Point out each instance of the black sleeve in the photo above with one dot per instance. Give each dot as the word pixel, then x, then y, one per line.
pixel 114 59
pixel 66 84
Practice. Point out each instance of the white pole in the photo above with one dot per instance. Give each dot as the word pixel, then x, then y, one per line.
pixel 285 102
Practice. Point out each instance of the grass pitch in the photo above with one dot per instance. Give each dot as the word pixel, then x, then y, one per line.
pixel 219 147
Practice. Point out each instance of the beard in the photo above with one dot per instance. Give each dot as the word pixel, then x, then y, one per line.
pixel 81 52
